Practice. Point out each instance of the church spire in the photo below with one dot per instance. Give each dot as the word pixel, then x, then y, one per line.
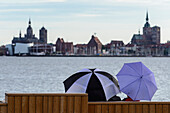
pixel 20 34
pixel 147 18
pixel 29 21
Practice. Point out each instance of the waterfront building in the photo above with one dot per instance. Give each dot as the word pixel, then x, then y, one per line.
pixel 115 47
pixel 60 48
pixel 150 36
pixel 64 47
pixel 43 36
pixel 94 46
pixel 69 50
pixel 80 49
pixel 41 49
pixel 3 50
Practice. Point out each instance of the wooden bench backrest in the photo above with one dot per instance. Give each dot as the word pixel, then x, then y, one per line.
pixel 47 103
pixel 129 107
pixel 3 107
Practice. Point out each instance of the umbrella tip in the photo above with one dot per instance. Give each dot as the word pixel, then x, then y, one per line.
pixel 92 69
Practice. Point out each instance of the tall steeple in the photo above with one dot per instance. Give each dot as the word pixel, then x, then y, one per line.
pixel 147 20
pixel 20 34
pixel 29 22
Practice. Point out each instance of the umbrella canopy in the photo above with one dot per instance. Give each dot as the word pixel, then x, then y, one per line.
pixel 99 85
pixel 137 81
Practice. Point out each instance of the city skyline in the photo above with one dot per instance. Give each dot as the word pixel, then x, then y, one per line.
pixel 76 21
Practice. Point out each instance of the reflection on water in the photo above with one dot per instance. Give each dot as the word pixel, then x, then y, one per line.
pixel 46 74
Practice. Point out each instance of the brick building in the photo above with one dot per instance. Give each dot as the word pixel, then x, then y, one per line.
pixel 94 46
pixel 64 47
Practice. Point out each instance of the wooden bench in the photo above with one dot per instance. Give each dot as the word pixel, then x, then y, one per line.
pixel 74 103
pixel 128 107
pixel 3 107
pixel 47 103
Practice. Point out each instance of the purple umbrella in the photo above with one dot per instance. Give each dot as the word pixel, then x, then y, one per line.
pixel 137 81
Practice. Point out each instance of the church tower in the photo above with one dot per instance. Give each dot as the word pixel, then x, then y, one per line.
pixel 29 30
pixel 147 31
pixel 43 35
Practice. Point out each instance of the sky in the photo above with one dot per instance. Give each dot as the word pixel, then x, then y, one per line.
pixel 77 20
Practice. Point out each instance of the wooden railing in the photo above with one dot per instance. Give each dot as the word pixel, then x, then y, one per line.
pixel 3 107
pixel 75 103
pixel 129 107
pixel 47 103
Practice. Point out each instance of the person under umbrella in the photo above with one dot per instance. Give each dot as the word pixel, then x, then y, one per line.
pixel 137 81
pixel 99 85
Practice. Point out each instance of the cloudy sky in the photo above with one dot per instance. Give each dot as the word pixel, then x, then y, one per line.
pixel 77 20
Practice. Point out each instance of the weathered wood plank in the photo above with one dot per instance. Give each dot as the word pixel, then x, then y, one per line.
pixel 145 108
pixel 111 108
pixel 84 104
pixel 77 104
pixel 91 108
pixel 125 108
pixel 25 104
pixel 3 109
pixel 18 105
pixel 50 104
pixel 39 104
pixel 118 109
pixel 11 104
pixel 152 108
pixel 32 104
pixel 56 105
pixel 132 109
pixel 158 108
pixel 165 109
pixel 139 109
pixel 105 109
pixel 45 104
pixel 98 109
pixel 63 104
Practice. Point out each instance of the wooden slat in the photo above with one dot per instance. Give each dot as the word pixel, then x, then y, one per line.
pixel 118 109
pixel 56 105
pixel 145 108
pixel 3 109
pixel 50 104
pixel 11 105
pixel 25 104
pixel 98 108
pixel 91 109
pixel 165 109
pixel 158 108
pixel 105 109
pixel 39 104
pixel 45 104
pixel 111 108
pixel 63 105
pixel 18 105
pixel 125 108
pixel 132 109
pixel 84 104
pixel 70 104
pixel 139 109
pixel 77 104
pixel 32 104
pixel 152 108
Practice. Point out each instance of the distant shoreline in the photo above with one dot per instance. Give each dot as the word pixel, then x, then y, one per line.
pixel 83 56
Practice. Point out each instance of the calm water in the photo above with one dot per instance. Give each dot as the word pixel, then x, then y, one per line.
pixel 46 74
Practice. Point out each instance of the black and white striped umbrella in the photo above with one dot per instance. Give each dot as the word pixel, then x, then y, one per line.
pixel 99 85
